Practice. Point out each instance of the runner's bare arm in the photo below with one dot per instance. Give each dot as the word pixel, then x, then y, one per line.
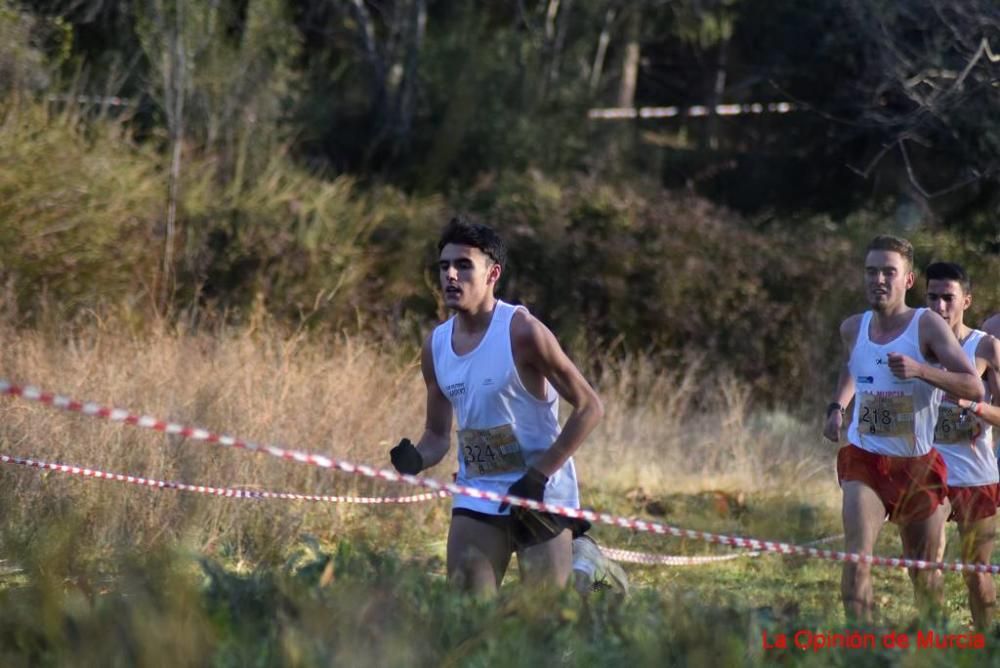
pixel 992 325
pixel 993 371
pixel 536 347
pixel 988 352
pixel 436 440
pixel 845 381
pixel 956 375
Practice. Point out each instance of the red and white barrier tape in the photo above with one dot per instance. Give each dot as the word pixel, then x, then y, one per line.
pixel 646 558
pixel 322 461
pixel 216 491
pixel 615 554
pixel 630 557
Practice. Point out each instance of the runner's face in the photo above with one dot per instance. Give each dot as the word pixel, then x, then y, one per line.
pixel 467 276
pixel 947 298
pixel 887 278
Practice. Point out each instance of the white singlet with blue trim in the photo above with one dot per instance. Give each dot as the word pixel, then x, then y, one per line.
pixel 502 427
pixel 892 416
pixel 965 441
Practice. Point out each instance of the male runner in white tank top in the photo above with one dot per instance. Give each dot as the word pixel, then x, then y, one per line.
pixel 894 356
pixel 964 437
pixel 501 372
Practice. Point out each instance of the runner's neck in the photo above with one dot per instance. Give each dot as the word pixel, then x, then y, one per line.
pixel 962 332
pixel 889 324
pixel 478 320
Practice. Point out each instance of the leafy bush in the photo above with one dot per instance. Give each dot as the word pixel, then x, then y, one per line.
pixel 78 210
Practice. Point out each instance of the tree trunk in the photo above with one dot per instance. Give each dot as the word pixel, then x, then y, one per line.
pixel 554 58
pixel 366 35
pixel 602 51
pixel 718 90
pixel 415 29
pixel 630 63
pixel 549 36
pixel 176 83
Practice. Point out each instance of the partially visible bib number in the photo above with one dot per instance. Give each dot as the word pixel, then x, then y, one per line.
pixel 955 425
pixel 886 416
pixel 490 451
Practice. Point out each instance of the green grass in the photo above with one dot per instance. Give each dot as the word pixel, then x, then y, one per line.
pixel 373 592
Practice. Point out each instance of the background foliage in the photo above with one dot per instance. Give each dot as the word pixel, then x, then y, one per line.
pixel 198 161
pixel 225 211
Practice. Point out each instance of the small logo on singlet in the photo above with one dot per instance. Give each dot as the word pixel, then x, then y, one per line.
pixel 880 361
pixel 454 390
pixel 488 381
pixel 866 380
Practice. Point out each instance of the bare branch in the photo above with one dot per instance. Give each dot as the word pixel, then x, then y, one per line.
pixel 927 76
pixel 973 177
pixel 983 50
pixel 874 162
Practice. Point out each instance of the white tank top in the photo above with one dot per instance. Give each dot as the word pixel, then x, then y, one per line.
pixel 892 416
pixel 502 427
pixel 965 441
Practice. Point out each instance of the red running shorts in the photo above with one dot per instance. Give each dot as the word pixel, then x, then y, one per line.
pixel 910 488
pixel 971 504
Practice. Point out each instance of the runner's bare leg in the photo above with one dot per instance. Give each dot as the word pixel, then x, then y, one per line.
pixel 478 555
pixel 548 563
pixel 977 547
pixel 863 516
pixel 923 539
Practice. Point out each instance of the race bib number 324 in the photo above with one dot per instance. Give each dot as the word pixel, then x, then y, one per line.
pixel 489 451
pixel 886 415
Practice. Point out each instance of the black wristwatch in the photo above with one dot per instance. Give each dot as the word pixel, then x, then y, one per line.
pixel 833 406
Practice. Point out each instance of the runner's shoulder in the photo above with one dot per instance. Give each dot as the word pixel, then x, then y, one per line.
pixel 435 330
pixel 428 346
pixel 932 321
pixel 427 359
pixel 530 338
pixel 992 325
pixel 526 329
pixel 850 326
pixel 988 349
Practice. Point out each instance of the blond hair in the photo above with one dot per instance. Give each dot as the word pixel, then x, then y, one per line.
pixel 888 242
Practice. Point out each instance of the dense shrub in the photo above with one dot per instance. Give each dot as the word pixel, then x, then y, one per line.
pixel 78 210
pixel 627 267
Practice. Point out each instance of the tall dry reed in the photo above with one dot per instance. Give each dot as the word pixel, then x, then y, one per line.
pixel 682 430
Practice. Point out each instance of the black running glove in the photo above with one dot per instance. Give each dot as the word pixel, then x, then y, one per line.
pixel 529 486
pixel 406 458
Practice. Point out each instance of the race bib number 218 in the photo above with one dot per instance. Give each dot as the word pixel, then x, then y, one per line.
pixel 886 415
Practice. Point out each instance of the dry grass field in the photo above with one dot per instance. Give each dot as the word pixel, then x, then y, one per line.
pixel 99 571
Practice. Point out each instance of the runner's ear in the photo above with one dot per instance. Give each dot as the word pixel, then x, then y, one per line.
pixel 493 273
